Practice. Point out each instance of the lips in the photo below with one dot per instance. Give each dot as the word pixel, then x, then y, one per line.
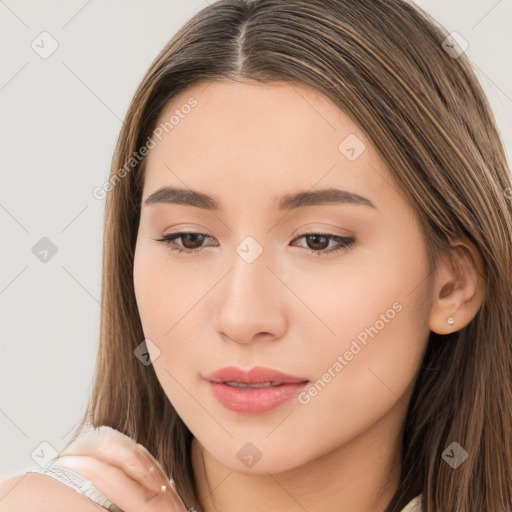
pixel 253 391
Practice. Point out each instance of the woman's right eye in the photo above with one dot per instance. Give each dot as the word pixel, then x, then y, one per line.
pixel 192 238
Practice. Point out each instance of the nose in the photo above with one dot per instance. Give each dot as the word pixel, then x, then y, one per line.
pixel 250 303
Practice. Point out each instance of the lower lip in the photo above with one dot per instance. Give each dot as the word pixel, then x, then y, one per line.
pixel 254 400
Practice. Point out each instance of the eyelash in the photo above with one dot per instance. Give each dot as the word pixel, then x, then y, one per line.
pixel 346 243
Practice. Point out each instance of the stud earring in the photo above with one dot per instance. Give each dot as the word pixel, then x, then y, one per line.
pixel 450 320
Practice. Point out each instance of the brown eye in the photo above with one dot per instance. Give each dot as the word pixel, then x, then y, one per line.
pixel 191 242
pixel 318 243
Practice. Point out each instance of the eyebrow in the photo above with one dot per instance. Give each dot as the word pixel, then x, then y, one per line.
pixel 171 195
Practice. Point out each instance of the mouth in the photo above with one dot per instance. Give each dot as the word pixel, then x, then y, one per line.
pixel 237 384
pixel 253 391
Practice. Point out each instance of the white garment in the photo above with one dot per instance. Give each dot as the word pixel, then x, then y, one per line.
pixel 413 506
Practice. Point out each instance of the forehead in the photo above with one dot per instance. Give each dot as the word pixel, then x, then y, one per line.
pixel 246 138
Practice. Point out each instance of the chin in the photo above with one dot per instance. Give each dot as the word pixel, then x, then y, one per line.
pixel 258 457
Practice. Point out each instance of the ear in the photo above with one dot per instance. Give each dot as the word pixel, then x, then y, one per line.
pixel 459 288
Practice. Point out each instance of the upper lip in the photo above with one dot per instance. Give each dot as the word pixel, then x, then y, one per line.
pixel 255 375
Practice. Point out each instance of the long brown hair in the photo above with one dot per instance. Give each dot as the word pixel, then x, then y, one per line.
pixel 383 63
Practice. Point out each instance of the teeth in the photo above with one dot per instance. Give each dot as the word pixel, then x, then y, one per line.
pixel 237 384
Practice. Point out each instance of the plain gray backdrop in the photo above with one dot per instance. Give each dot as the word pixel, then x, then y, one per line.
pixel 60 118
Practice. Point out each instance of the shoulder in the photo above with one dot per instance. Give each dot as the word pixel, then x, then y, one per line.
pixel 33 492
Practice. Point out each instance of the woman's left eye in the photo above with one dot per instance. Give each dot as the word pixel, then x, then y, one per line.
pixel 317 239
pixel 343 243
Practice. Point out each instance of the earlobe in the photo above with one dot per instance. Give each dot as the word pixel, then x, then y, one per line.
pixel 459 288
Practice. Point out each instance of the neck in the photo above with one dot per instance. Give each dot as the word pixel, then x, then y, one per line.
pixel 360 476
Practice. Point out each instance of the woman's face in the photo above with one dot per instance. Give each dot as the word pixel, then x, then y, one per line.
pixel 350 326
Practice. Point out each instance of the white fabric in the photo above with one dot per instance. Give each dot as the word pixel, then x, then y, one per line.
pixel 413 506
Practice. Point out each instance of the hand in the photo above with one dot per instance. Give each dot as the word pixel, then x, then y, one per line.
pixel 123 470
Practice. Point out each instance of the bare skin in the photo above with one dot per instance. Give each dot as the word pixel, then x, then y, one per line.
pixel 247 145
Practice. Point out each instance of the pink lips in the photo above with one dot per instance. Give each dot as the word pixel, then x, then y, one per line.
pixel 253 391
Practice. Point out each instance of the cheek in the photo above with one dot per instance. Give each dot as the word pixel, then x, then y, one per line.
pixel 363 297
pixel 356 382
pixel 378 313
pixel 162 290
pixel 163 296
pixel 170 308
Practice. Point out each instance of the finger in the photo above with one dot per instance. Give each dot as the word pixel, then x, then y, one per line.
pixel 153 464
pixel 110 480
pixel 173 496
pixel 124 453
pixel 129 460
pixel 116 485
